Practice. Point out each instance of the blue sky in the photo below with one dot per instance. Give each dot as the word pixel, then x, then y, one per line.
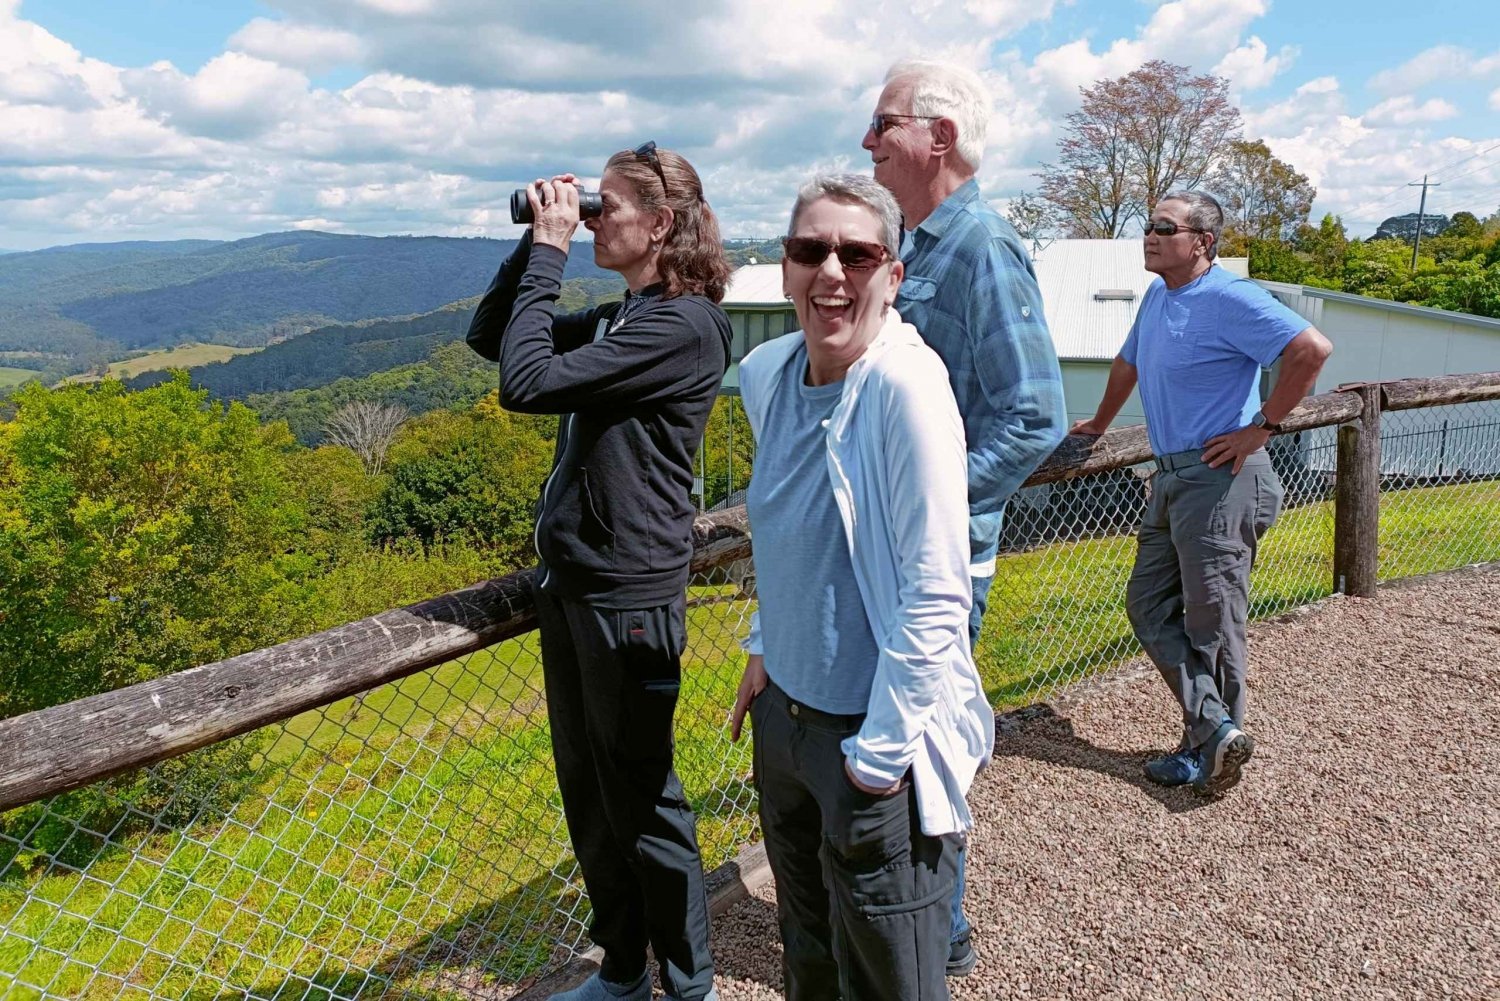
pixel 159 119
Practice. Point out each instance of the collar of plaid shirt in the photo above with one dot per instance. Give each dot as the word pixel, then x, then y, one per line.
pixel 937 223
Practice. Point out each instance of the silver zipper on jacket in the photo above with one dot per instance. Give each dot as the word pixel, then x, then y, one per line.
pixel 566 430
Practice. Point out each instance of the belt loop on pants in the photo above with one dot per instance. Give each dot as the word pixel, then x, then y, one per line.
pixel 1178 460
pixel 804 713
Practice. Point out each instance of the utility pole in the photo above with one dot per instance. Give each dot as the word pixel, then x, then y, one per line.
pixel 1421 213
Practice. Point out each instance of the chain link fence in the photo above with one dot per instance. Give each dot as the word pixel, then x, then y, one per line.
pixel 408 843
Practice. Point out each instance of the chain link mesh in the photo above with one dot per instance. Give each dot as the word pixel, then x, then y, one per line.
pixel 408 843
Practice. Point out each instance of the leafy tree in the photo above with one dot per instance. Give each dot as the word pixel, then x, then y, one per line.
pixel 335 491
pixel 1465 225
pixel 467 476
pixel 728 451
pixel 1276 261
pixel 1324 247
pixel 1264 198
pixel 140 533
pixel 1132 140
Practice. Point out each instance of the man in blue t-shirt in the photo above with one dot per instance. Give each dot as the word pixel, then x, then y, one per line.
pixel 1196 349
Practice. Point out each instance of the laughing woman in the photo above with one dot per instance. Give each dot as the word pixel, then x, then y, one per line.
pixel 868 716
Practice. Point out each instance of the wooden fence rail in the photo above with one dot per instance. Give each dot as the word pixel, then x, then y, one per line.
pixel 68 746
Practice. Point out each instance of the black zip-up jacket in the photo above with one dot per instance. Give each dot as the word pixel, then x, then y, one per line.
pixel 614 519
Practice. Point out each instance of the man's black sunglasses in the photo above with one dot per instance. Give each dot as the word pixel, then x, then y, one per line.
pixel 853 255
pixel 647 151
pixel 1166 227
pixel 880 122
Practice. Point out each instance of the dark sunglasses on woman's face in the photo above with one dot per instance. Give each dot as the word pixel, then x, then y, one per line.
pixel 1166 227
pixel 853 255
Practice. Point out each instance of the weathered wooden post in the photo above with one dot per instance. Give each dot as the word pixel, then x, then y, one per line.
pixel 1356 504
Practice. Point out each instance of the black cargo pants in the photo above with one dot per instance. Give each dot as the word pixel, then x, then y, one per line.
pixel 862 895
pixel 612 678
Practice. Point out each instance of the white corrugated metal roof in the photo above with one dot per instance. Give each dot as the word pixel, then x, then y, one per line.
pixel 755 285
pixel 1069 272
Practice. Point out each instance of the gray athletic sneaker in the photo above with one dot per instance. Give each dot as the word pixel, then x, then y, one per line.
pixel 1224 755
pixel 596 988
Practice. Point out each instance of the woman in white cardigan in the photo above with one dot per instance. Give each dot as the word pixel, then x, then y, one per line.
pixel 869 718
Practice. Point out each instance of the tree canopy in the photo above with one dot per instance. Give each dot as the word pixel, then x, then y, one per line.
pixel 1132 140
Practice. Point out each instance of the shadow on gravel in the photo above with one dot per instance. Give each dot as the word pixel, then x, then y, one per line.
pixel 1039 733
pixel 754 922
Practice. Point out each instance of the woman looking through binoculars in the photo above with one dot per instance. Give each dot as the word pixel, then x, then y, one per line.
pixel 634 383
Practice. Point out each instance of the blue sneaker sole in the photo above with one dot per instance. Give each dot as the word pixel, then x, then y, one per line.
pixel 1229 761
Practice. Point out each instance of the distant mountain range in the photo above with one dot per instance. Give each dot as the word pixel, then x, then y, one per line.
pixel 76 305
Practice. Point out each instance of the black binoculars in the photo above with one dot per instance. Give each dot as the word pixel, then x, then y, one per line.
pixel 590 205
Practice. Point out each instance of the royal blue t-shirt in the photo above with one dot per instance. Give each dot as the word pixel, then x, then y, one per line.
pixel 1198 351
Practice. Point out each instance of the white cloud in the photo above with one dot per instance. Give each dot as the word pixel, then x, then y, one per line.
pixel 1495 99
pixel 1405 110
pixel 1186 32
pixel 1251 67
pixel 234 96
pixel 1441 62
pixel 306 47
pixel 459 100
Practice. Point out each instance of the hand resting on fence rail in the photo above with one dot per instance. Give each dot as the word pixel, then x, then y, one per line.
pixel 72 745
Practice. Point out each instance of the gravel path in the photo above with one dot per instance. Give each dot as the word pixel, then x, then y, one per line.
pixel 1358 859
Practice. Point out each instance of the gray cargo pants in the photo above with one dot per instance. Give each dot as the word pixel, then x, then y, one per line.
pixel 862 894
pixel 1189 594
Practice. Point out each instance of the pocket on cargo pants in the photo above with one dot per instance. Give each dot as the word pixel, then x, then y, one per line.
pixel 892 889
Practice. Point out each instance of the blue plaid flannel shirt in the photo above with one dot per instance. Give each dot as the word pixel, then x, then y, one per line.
pixel 971 293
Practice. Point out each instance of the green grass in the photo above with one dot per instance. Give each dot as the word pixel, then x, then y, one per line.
pixel 421 821
pixel 15 376
pixel 1058 613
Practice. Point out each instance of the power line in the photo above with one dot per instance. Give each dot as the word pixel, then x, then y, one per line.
pixel 1400 189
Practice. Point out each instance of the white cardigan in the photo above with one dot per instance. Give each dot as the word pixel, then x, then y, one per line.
pixel 898 465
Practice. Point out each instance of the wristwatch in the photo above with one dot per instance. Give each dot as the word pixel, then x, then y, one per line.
pixel 1264 423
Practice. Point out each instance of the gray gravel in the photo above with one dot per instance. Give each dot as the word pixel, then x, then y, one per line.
pixel 1358 859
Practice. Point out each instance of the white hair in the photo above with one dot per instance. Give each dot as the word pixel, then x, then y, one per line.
pixel 944 90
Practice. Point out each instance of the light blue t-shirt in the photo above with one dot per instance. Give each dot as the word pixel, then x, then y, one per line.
pixel 1198 351
pixel 817 640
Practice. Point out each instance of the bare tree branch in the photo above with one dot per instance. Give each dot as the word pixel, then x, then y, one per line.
pixel 366 428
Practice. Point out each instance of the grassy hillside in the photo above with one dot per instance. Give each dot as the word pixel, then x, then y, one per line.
pixel 182 356
pixel 15 376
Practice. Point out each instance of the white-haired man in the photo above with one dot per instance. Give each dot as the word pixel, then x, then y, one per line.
pixel 971 293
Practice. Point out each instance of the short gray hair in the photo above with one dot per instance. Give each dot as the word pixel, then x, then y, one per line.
pixel 1204 212
pixel 860 190
pixel 943 90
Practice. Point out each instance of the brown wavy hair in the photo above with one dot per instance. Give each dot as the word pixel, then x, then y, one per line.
pixel 692 260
